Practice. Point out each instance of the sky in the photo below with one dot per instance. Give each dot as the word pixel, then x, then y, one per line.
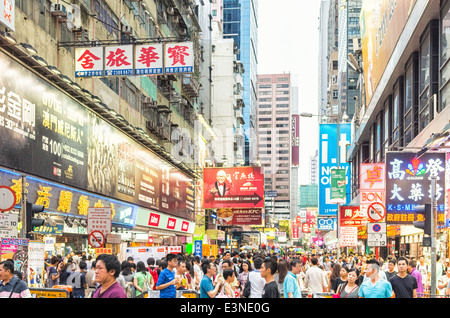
pixel 288 42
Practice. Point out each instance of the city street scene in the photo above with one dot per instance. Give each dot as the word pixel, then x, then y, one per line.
pixel 248 150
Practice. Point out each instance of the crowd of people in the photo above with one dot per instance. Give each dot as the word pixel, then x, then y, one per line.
pixel 235 275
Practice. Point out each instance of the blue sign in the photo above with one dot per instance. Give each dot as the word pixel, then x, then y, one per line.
pixel 326 224
pixel 198 249
pixel 328 150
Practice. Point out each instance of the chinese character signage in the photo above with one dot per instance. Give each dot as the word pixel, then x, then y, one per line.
pixel 348 236
pixel 372 184
pixel 7 13
pixel 295 140
pixel 229 216
pixel 99 219
pixel 238 187
pixel 408 183
pixel 351 216
pixel 119 60
pixel 328 161
pixel 179 57
pixel 148 59
pixel 89 62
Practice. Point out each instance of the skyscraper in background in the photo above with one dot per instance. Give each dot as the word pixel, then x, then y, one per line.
pixel 240 22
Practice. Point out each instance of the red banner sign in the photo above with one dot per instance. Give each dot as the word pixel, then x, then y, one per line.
pixel 351 216
pixel 237 187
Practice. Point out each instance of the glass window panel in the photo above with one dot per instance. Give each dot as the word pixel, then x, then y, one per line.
pixel 425 63
pixel 445 34
pixel 445 96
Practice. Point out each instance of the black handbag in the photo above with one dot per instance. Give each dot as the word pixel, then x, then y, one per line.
pixel 247 287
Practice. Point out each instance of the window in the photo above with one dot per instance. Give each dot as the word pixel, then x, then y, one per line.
pixel 282 118
pixel 387 124
pixel 445 57
pixel 282 85
pixel 396 109
pixel 282 125
pixel 282 105
pixel 410 109
pixel 265 106
pixel 265 119
pixel 267 100
pixel 265 112
pixel 264 126
pixel 265 86
pixel 282 99
pixel 265 93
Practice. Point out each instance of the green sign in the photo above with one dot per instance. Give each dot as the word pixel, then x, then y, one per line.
pixel 338 185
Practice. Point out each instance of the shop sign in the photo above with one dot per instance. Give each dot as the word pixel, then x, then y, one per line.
pixel 237 187
pixel 7 13
pixel 348 236
pixel 295 233
pixel 326 224
pixel 372 183
pixel 36 259
pixel 103 250
pixel 119 60
pixel 295 140
pixel 148 59
pixel 16 249
pixel 239 216
pixel 49 230
pixel 163 221
pixel 328 161
pixel 337 185
pixel 408 183
pixel 89 62
pixel 351 216
pixel 179 58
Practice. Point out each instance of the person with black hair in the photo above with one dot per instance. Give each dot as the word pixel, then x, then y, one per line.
pixel 78 281
pixel 268 269
pixel 374 286
pixel 12 286
pixel 391 269
pixel 350 288
pixel 207 288
pixel 167 280
pixel 256 281
pixel 107 269
pixel 403 284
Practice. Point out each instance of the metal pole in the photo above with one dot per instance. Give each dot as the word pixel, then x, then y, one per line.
pixel 23 208
pixel 338 160
pixel 433 237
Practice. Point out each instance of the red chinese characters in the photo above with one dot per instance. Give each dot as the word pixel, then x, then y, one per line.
pixel 177 54
pixel 117 58
pixel 87 59
pixel 148 55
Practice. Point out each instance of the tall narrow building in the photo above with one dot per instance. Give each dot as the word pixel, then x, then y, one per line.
pixel 240 22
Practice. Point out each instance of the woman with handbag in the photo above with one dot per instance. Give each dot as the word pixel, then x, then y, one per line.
pixel 143 280
pixel 350 288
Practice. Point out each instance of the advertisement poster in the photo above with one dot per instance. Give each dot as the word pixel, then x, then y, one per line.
pixel 408 183
pixel 352 216
pixel 348 236
pixel 229 216
pixel 36 252
pixel 338 186
pixel 238 187
pixel 17 250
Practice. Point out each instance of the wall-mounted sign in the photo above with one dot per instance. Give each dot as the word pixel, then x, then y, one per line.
pixel 148 59
pixel 7 13
pixel 89 62
pixel 119 60
pixel 179 57
pixel 372 183
pixel 238 216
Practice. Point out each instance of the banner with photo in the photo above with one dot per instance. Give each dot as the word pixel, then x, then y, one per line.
pixel 230 216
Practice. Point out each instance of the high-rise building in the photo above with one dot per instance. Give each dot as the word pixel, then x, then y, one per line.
pixel 240 22
pixel 274 131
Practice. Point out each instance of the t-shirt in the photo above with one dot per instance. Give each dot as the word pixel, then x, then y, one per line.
pixel 206 285
pixel 271 290
pixel 389 275
pixel 52 271
pixel 165 277
pixel 381 289
pixel 18 288
pixel 114 291
pixel 291 286
pixel 403 287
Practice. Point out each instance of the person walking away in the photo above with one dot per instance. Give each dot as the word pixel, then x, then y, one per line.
pixel 12 286
pixel 350 288
pixel 412 269
pixel 153 270
pixel 166 280
pixel 291 287
pixel 315 280
pixel 53 272
pixel 374 286
pixel 280 276
pixel 391 269
pixel 107 269
pixel 268 270
pixel 143 280
pixel 207 288
pixel 403 284
pixel 334 275
pixel 78 281
pixel 256 281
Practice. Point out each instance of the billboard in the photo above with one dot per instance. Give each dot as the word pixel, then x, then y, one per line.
pixel 247 216
pixel 372 185
pixel 381 22
pixel 47 134
pixel 408 183
pixel 328 150
pixel 295 140
pixel 237 187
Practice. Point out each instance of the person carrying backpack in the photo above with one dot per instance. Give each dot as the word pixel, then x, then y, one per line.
pixel 78 281
pixel 153 270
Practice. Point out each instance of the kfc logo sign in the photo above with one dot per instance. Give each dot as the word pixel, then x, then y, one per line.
pixel 154 219
pixel 171 223
pixel 184 226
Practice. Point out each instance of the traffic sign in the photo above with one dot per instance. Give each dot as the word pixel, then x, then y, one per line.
pixel 376 212
pixel 96 239
pixel 376 234
pixel 7 198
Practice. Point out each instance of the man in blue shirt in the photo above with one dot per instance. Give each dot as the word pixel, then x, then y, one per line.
pixel 374 287
pixel 291 287
pixel 207 288
pixel 166 280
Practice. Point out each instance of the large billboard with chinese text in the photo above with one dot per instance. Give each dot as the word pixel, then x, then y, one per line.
pixel 328 160
pixel 408 183
pixel 237 187
pixel 46 133
pixel 237 216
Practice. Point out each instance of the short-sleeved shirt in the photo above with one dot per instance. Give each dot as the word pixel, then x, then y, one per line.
pixel 114 291
pixel 52 271
pixel 381 289
pixel 165 277
pixel 291 286
pixel 20 288
pixel 206 285
pixel 271 290
pixel 403 287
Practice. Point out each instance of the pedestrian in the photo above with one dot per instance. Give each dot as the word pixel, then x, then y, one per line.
pixel 243 274
pixel 315 280
pixel 391 269
pixel 350 288
pixel 66 270
pixel 153 270
pixel 53 271
pixel 343 275
pixel 229 275
pixel 207 288
pixel 280 276
pixel 226 257
pixel 90 279
pixel 412 269
pixel 142 280
pixel 180 275
pixel 403 284
pixel 424 268
pixel 443 281
pixel 268 270
pixel 78 281
pixel 198 273
pixel 256 281
pixel 126 280
pixel 291 287
pixel 166 280
pixel 12 286
pixel 334 275
pixel 374 286
pixel 107 269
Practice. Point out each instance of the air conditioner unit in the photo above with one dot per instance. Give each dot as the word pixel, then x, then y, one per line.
pixel 58 9
pixel 162 17
pixel 170 10
pixel 126 29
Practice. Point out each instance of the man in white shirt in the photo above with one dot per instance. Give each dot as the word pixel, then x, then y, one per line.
pixel 315 280
pixel 256 281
